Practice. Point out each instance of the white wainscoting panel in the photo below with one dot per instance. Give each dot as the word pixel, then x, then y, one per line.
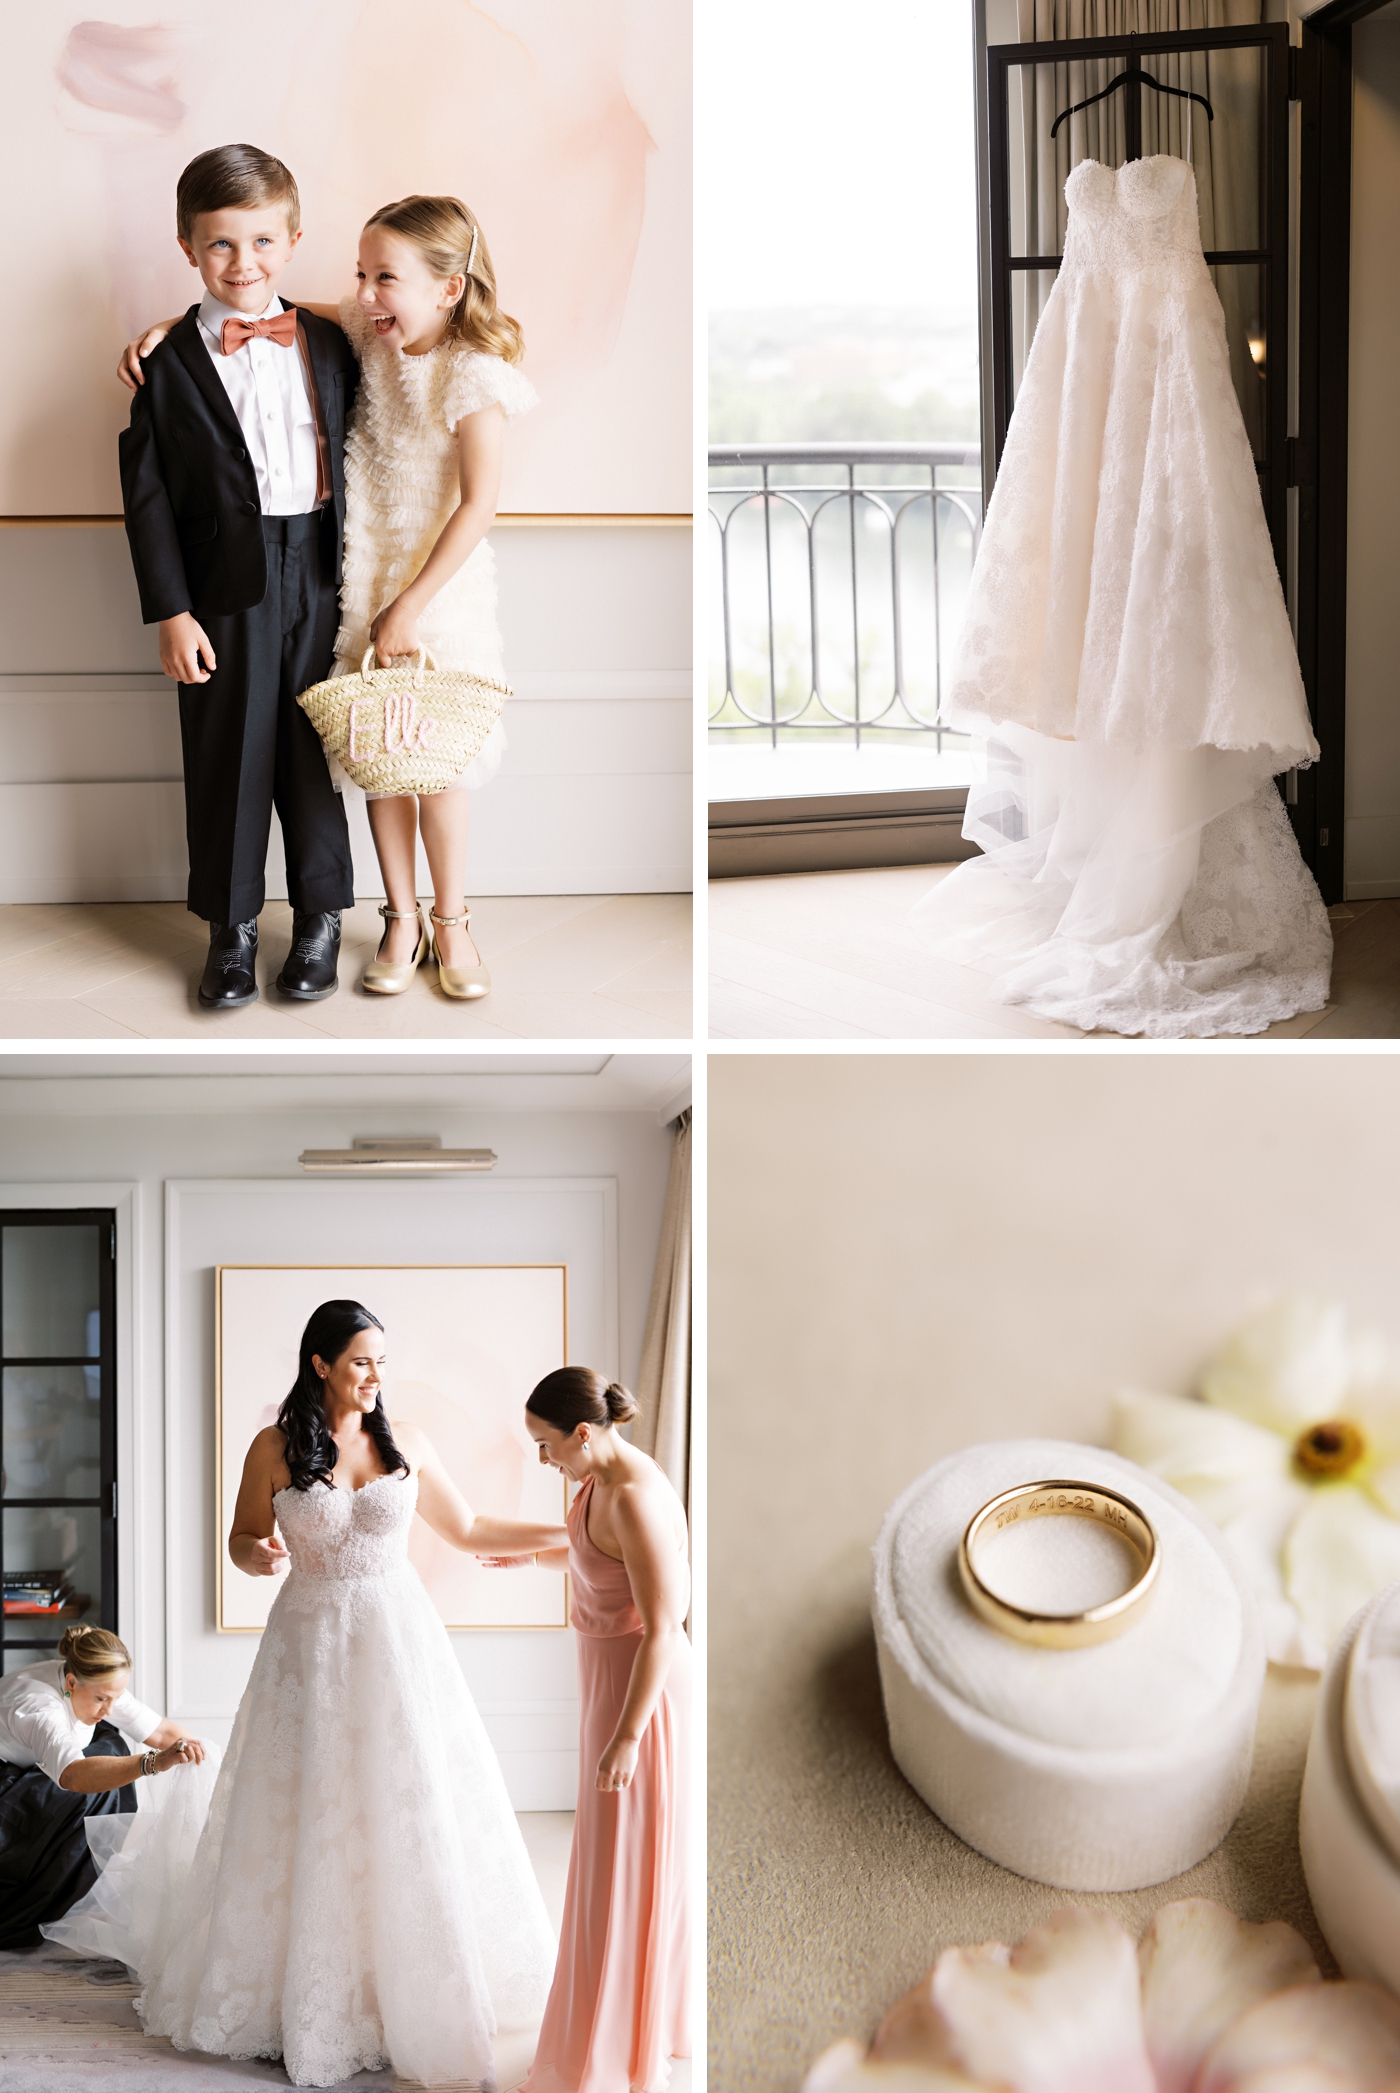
pixel 593 796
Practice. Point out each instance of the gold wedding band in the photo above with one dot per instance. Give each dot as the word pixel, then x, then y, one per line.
pixel 1065 1500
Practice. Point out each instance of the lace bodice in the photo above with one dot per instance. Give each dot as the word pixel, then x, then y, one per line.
pixel 1143 216
pixel 343 1534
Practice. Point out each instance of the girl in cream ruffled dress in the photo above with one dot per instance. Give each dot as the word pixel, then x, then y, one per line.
pixel 422 468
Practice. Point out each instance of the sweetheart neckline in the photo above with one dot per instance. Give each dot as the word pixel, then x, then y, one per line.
pixel 359 1492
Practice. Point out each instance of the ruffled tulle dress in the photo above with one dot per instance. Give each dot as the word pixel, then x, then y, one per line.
pixel 619 2008
pixel 1127 657
pixel 401 486
pixel 360 1895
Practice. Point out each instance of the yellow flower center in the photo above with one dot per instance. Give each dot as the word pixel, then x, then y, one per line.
pixel 1330 1449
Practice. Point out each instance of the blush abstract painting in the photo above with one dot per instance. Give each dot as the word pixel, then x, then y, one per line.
pixel 465 1345
pixel 565 124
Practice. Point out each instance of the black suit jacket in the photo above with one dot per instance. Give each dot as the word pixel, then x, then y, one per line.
pixel 189 491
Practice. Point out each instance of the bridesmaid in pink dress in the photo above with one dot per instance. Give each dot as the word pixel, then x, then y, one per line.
pixel 619 2006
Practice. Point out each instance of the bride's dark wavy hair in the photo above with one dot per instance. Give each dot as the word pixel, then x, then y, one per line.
pixel 311 1451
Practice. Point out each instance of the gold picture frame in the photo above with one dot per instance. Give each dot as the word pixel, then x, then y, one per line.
pixel 460 1365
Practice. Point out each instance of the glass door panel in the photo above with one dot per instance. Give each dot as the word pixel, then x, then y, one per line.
pixel 57 1437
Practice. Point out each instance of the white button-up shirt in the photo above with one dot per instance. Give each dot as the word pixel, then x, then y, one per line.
pixel 268 391
pixel 38 1726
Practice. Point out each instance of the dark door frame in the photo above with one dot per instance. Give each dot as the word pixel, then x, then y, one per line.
pixel 105 1503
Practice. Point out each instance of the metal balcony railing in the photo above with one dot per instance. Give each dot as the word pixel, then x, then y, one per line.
pixel 841 574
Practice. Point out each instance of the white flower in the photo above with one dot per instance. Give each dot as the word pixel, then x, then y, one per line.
pixel 1294 1451
pixel 1207 2004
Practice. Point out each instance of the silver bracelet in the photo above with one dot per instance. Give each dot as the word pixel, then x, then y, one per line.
pixel 148 1763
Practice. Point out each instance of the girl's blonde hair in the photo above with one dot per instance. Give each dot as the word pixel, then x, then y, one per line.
pixel 93 1653
pixel 451 243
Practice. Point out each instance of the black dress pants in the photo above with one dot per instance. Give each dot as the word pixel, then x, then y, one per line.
pixel 45 1862
pixel 249 747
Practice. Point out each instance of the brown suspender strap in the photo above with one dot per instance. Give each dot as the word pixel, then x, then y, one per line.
pixel 323 443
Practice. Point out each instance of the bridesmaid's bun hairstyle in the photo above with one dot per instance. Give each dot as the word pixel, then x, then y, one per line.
pixel 92 1653
pixel 311 1453
pixel 575 1395
pixel 452 243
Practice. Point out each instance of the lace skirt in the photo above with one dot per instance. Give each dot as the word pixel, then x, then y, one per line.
pixel 360 1895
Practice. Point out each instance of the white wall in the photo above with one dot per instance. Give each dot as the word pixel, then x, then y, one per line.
pixel 1373 467
pixel 81 1142
pixel 593 797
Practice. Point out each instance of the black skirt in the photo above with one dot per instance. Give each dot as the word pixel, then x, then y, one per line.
pixel 45 1864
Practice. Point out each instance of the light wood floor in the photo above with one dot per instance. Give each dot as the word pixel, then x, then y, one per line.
pixel 583 966
pixel 68 2026
pixel 831 955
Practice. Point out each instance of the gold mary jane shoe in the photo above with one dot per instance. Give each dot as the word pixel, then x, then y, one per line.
pixel 385 977
pixel 467 984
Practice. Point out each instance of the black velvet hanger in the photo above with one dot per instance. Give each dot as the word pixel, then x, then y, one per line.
pixel 1135 75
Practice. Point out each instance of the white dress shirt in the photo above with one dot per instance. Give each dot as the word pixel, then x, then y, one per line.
pixel 38 1726
pixel 267 388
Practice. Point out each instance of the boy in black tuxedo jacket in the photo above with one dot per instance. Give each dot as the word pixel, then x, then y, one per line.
pixel 234 495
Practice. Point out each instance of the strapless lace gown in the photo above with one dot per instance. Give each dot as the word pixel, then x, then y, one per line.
pixel 1127 656
pixel 360 1895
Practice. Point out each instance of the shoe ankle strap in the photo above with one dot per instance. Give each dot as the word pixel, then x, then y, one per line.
pixel 451 922
pixel 397 915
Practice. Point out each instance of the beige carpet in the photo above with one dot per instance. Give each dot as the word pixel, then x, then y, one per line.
pixel 909 1253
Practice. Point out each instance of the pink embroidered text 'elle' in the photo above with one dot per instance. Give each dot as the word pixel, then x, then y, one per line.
pixel 403 727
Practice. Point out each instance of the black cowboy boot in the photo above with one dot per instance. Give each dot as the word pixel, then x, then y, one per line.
pixel 309 969
pixel 229 981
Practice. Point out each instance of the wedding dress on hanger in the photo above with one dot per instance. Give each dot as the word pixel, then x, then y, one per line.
pixel 350 1889
pixel 1127 656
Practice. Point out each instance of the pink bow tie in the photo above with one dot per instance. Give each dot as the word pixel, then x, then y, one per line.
pixel 282 327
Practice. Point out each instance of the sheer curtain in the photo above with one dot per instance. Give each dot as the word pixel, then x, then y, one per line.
pixel 1224 154
pixel 662 1428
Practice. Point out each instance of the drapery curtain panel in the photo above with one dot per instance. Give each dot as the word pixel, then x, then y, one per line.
pixel 1224 154
pixel 662 1428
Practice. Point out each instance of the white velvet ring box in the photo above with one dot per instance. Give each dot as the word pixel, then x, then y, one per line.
pixel 1349 1819
pixel 1106 1768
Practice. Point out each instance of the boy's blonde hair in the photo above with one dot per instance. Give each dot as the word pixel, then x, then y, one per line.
pixel 92 1653
pixel 451 243
pixel 234 178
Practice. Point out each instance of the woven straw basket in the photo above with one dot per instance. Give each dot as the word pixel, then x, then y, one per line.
pixel 412 727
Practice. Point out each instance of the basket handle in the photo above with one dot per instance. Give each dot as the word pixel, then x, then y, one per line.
pixel 369 667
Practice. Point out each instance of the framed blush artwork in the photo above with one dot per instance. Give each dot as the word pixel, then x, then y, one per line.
pixel 465 1345
pixel 565 127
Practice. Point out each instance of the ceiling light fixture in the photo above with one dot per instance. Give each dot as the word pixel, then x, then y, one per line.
pixel 421 1155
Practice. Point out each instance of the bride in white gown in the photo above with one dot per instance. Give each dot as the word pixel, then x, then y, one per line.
pixel 1127 656
pixel 360 1895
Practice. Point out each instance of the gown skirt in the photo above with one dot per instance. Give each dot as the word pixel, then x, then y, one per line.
pixel 1127 662
pixel 46 1863
pixel 359 1895
pixel 619 2007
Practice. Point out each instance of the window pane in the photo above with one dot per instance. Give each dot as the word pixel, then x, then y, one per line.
pixel 52 1441
pixel 1224 152
pixel 1030 294
pixel 843 353
pixel 1243 290
pixel 16 1660
pixel 53 1568
pixel 51 1292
